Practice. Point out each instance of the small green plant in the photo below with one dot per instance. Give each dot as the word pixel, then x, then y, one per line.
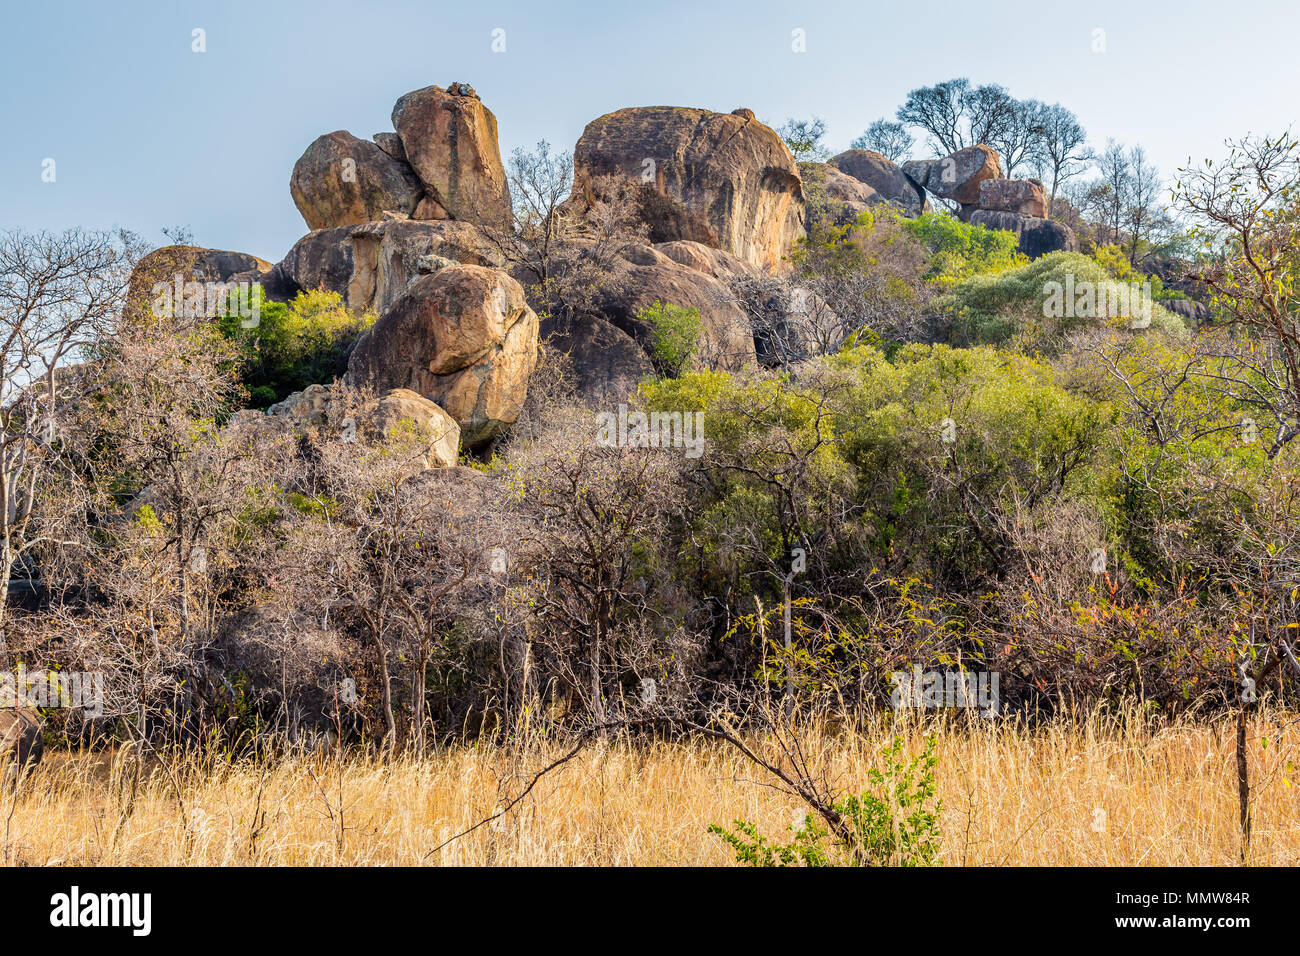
pixel 674 334
pixel 894 823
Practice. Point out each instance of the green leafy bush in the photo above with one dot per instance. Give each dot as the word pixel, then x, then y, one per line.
pixel 674 334
pixel 959 250
pixel 295 344
pixel 1035 304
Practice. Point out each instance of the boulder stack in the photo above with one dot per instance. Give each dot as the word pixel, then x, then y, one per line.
pixel 973 178
pixel 444 162
pixel 886 179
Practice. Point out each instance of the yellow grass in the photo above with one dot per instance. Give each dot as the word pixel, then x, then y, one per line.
pixel 1088 795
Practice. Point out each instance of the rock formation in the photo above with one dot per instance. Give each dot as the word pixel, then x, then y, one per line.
pixel 370 265
pixel 832 197
pixel 450 140
pixel 1037 237
pixel 444 162
pixel 462 336
pixel 722 179
pixel 195 264
pixel 973 178
pixel 885 178
pixel 399 421
pixel 1024 197
pixel 20 736
pixel 958 175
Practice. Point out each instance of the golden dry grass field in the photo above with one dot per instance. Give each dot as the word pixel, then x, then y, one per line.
pixel 1088 794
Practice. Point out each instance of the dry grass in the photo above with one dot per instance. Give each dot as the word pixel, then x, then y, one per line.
pixel 1012 796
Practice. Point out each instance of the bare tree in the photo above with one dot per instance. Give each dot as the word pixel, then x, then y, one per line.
pixel 1144 212
pixel 1113 196
pixel 887 138
pixel 1065 151
pixel 1246 209
pixel 1019 135
pixel 57 294
pixel 804 137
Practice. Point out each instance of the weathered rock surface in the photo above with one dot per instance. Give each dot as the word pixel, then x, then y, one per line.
pixel 884 177
pixel 1037 237
pixel 398 419
pixel 833 197
pixel 20 736
pixel 1189 309
pixel 391 144
pixel 450 141
pixel 1024 196
pixel 342 180
pixel 371 265
pixel 196 264
pixel 463 337
pixel 607 362
pixel 712 262
pixel 958 175
pixel 644 274
pixel 722 179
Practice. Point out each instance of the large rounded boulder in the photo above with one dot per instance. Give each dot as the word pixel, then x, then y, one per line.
pixel 463 337
pixel 957 176
pixel 21 741
pixel 722 179
pixel 342 180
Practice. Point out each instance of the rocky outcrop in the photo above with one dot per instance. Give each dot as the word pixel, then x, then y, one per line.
pixel 832 197
pixel 443 162
pixel 463 337
pixel 973 178
pixel 712 262
pixel 1037 237
pixel 371 265
pixel 399 420
pixel 450 141
pixel 1197 313
pixel 607 363
pixel 611 348
pixel 722 179
pixel 20 736
pixel 885 178
pixel 1025 197
pixel 196 264
pixel 341 180
pixel 957 176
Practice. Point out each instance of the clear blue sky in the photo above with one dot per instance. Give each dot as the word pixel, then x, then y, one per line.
pixel 146 133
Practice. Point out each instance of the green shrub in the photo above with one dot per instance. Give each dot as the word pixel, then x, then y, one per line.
pixel 674 334
pixel 895 823
pixel 296 344
pixel 992 309
pixel 959 250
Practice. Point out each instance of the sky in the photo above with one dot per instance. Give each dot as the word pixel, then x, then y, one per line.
pixel 146 133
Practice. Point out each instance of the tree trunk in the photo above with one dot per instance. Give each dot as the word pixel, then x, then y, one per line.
pixel 789 662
